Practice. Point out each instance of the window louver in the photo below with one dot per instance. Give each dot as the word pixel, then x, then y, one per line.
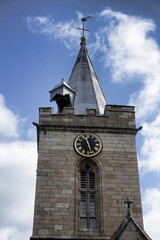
pixel 83 179
pixel 87 198
pixel 92 180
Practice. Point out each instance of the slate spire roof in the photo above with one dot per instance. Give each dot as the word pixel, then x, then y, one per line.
pixel 84 82
pixel 83 90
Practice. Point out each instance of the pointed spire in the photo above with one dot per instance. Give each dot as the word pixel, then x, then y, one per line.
pixel 85 83
pixel 83 90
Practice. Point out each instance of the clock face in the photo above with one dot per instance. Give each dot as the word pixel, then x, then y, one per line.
pixel 87 144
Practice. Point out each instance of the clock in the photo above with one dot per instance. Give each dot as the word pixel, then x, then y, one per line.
pixel 88 144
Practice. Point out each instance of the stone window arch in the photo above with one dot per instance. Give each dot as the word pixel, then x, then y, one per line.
pixel 88 208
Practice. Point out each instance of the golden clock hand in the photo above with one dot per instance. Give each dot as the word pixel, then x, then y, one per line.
pixel 88 144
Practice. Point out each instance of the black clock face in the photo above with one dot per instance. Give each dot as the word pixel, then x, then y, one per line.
pixel 87 144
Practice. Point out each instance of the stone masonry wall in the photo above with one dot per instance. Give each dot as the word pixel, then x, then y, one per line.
pixel 54 215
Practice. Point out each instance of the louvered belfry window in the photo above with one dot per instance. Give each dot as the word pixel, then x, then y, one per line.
pixel 87 197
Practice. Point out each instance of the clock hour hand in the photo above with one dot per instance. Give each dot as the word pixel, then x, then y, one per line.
pixel 88 145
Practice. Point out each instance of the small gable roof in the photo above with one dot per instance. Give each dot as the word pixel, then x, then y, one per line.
pixel 129 229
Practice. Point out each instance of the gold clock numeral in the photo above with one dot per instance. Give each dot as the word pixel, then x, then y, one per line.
pixel 83 151
pixel 80 148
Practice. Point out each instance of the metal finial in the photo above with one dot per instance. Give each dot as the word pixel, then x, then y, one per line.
pixel 84 19
pixel 129 202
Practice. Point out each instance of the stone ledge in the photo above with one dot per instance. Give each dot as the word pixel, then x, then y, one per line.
pixel 56 128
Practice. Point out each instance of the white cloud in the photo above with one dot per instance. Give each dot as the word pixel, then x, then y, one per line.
pixel 129 41
pixel 32 134
pixel 17 170
pixel 134 55
pixel 65 31
pixel 150 152
pixel 8 121
pixel 10 233
pixel 151 200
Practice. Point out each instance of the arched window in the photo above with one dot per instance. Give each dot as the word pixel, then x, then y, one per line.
pixel 88 195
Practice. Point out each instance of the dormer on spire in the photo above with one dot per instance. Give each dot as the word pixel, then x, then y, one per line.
pixel 63 95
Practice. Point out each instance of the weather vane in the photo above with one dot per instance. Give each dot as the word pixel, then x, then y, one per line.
pixel 84 19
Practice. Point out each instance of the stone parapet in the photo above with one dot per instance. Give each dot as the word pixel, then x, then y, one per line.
pixel 115 118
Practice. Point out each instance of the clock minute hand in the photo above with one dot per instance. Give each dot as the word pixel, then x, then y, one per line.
pixel 88 145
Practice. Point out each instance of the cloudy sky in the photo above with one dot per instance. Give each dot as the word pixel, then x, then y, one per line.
pixel 38 46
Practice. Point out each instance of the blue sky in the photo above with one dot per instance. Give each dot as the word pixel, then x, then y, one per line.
pixel 39 43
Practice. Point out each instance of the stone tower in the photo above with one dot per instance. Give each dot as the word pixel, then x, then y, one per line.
pixel 87 163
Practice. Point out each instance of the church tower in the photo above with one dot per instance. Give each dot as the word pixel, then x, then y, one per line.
pixel 87 163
